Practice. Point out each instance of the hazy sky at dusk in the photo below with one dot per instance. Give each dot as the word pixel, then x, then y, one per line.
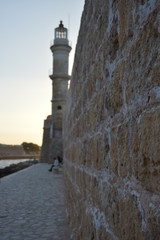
pixel 26 29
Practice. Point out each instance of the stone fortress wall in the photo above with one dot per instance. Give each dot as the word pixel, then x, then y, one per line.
pixel 112 123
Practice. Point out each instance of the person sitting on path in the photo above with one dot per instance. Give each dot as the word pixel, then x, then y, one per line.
pixel 55 165
pixel 50 170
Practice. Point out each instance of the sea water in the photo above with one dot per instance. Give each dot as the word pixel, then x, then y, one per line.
pixel 6 163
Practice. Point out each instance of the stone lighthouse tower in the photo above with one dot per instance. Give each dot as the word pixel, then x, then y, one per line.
pixel 52 139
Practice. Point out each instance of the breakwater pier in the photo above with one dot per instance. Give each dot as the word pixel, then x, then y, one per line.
pixel 33 205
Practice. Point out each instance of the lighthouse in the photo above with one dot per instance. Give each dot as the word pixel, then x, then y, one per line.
pixel 52 145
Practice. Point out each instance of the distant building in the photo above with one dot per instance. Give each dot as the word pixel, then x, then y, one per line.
pixel 52 137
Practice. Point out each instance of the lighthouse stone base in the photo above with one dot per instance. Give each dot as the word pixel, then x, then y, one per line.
pixel 52 146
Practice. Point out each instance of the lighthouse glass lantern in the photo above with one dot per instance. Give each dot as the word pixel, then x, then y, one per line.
pixel 61 32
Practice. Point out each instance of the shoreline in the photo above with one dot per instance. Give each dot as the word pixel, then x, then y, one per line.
pixel 20 157
pixel 16 167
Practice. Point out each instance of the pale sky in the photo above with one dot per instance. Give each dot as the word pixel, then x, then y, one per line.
pixel 26 29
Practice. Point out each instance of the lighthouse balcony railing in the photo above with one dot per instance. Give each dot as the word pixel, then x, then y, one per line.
pixel 52 42
pixel 61 75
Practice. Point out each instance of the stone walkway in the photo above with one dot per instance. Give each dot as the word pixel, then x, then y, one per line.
pixel 32 205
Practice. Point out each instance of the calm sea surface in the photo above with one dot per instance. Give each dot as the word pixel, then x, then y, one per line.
pixel 6 163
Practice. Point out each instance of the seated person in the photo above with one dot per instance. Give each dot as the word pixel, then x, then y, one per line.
pixel 55 165
pixel 50 170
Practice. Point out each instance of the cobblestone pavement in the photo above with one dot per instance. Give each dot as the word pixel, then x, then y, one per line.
pixel 32 205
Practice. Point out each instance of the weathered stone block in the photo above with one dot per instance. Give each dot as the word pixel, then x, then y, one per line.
pixel 149 160
pixel 114 151
pixel 114 91
pixel 123 151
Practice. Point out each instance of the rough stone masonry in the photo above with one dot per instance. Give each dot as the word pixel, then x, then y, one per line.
pixel 112 123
